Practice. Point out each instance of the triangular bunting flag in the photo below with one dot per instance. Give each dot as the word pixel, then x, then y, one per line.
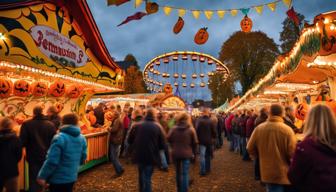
pixel 137 3
pixel 181 12
pixel 245 10
pixel 287 2
pixel 167 10
pixel 272 6
pixel 116 2
pixel 196 14
pixel 221 14
pixel 259 9
pixel 208 14
pixel 234 12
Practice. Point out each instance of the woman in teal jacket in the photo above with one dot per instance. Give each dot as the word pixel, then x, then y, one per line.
pixel 66 153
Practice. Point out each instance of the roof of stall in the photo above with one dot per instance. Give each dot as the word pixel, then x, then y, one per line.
pixel 82 14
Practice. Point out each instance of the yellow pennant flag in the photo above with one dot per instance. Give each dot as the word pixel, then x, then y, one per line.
pixel 167 10
pixel 287 2
pixel 272 6
pixel 221 14
pixel 196 14
pixel 259 9
pixel 234 12
pixel 181 12
pixel 208 14
pixel 137 3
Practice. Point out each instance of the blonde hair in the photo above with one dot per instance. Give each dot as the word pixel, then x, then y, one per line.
pixel 321 125
pixel 183 118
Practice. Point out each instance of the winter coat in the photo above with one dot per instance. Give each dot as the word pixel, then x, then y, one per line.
pixel 56 120
pixel 147 139
pixel 228 123
pixel 36 135
pixel 313 167
pixel 250 125
pixel 99 113
pixel 260 119
pixel 288 121
pixel 183 140
pixel 235 125
pixel 10 154
pixel 242 125
pixel 206 131
pixel 273 142
pixel 67 152
pixel 116 132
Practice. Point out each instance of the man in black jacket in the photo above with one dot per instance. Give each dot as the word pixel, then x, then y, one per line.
pixel 36 135
pixel 206 133
pixel 148 139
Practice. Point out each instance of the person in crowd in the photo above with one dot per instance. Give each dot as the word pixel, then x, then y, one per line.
pixel 214 120
pixel 53 116
pixel 89 108
pixel 313 167
pixel 99 113
pixel 183 140
pixel 220 131
pixel 126 122
pixel 164 154
pixel 116 131
pixel 90 115
pixel 289 118
pixel 119 109
pixel 171 120
pixel 236 132
pixel 163 120
pixel 274 143
pixel 67 152
pixel 36 135
pixel 242 134
pixel 148 139
pixel 130 111
pixel 112 108
pixel 10 155
pixel 250 124
pixel 206 133
pixel 228 127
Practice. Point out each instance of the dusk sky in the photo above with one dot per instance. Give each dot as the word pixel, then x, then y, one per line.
pixel 153 35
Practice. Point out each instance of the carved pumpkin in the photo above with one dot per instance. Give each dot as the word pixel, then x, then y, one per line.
pixel 167 88
pixel 59 106
pixel 178 25
pixel 22 88
pixel 246 24
pixel 152 7
pixel 6 88
pixel 57 89
pixel 201 36
pixel 301 111
pixel 74 91
pixel 40 89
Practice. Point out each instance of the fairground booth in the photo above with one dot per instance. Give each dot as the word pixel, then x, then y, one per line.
pixel 51 53
pixel 304 76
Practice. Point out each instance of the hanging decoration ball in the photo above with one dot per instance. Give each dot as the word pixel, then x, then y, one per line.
pixel 157 62
pixel 246 24
pixel 184 84
pixel 192 85
pixel 163 74
pixel 6 88
pixel 210 61
pixel 202 59
pixel 175 84
pixel 178 25
pixel 152 7
pixel 202 84
pixel 167 75
pixel 57 89
pixel 202 75
pixel 194 75
pixel 40 89
pixel 151 70
pixel 175 57
pixel 176 75
pixel 22 88
pixel 194 57
pixel 160 84
pixel 166 60
pixel 184 76
pixel 201 36
pixel 158 73
pixel 184 57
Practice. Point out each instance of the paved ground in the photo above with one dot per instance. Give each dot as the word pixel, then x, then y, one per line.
pixel 229 174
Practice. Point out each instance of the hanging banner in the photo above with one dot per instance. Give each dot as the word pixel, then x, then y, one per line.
pixel 234 12
pixel 196 14
pixel 181 12
pixel 272 6
pixel 259 9
pixel 221 14
pixel 208 14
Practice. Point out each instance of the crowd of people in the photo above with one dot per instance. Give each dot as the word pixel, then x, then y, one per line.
pixel 55 147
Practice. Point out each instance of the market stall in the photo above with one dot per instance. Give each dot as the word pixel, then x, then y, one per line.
pixel 47 58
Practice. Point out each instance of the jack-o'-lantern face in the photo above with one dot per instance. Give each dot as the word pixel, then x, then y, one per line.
pixel 40 89
pixel 59 107
pixel 301 111
pixel 168 89
pixel 201 36
pixel 57 89
pixel 74 91
pixel 246 24
pixel 6 88
pixel 22 88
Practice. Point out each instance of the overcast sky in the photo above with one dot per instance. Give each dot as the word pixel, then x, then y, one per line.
pixel 153 35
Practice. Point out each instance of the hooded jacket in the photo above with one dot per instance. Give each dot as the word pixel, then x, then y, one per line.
pixel 206 131
pixel 313 167
pixel 66 153
pixel 10 154
pixel 183 140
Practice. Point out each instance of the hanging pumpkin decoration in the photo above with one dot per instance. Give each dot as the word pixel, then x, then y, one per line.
pixel 201 36
pixel 152 7
pixel 301 111
pixel 59 107
pixel 40 89
pixel 6 88
pixel 74 91
pixel 57 89
pixel 178 25
pixel 246 24
pixel 22 88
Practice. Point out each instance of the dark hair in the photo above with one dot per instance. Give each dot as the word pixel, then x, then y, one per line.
pixel 70 119
pixel 150 114
pixel 276 110
pixel 38 110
